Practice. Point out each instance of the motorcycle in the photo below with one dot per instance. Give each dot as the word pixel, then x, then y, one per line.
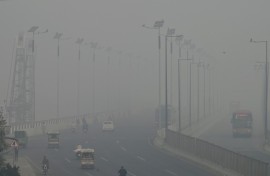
pixel 45 169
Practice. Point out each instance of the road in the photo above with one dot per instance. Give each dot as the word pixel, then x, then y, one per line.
pixel 129 145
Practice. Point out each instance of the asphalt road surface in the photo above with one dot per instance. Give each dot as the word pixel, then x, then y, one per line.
pixel 129 146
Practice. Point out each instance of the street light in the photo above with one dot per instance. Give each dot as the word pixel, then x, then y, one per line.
pixel 158 25
pixel 204 66
pixel 266 88
pixel 108 50
pixel 33 30
pixel 94 47
pixel 79 42
pixel 58 36
pixel 192 47
pixel 178 41
pixel 170 32
pixel 166 81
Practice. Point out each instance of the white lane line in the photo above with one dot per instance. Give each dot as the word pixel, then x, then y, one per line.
pixel 141 158
pixel 171 172
pixel 88 174
pixel 104 159
pixel 130 173
pixel 123 148
pixel 67 160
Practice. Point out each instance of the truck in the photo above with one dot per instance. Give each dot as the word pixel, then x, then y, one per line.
pixel 242 123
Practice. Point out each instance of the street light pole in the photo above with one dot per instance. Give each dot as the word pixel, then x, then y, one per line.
pixel 108 50
pixel 166 80
pixel 33 29
pixel 266 89
pixel 170 32
pixel 79 42
pixel 198 91
pixel 94 47
pixel 58 36
pixel 158 25
pixel 178 40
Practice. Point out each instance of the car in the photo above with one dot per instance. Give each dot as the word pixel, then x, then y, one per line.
pixel 108 126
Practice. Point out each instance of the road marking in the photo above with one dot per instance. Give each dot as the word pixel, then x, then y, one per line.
pixel 171 172
pixel 130 173
pixel 67 160
pixel 117 142
pixel 123 148
pixel 104 159
pixel 141 158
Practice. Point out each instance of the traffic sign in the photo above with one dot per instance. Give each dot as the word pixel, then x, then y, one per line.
pixel 14 144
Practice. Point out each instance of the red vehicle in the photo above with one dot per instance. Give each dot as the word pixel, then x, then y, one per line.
pixel 242 123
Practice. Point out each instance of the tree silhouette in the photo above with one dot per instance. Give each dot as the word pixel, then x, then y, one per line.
pixel 5 169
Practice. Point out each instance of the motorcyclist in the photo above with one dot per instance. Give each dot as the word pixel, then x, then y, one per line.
pixel 45 161
pixel 122 171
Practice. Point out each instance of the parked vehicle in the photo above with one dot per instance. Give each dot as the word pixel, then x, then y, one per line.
pixel 21 137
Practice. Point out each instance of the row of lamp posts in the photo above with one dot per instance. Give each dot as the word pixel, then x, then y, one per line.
pixel 171 34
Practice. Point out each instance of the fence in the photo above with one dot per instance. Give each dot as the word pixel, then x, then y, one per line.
pixel 216 154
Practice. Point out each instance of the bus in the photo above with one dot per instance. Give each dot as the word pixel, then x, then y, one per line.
pixel 242 123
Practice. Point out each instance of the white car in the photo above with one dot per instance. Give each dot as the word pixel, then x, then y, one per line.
pixel 108 125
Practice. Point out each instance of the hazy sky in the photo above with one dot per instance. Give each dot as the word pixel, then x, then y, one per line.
pixel 213 25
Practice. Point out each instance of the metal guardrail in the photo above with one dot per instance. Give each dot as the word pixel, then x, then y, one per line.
pixel 218 155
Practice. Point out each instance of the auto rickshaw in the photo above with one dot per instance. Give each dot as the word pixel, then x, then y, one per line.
pixel 22 138
pixel 53 139
pixel 87 158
